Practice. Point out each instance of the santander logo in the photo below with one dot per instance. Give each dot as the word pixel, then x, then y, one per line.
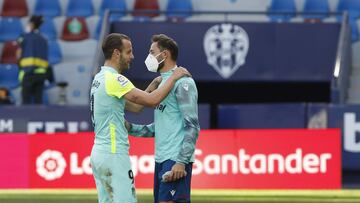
pixel 245 163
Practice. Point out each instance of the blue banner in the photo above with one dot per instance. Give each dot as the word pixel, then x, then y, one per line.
pixel 347 117
pixel 261 116
pixel 72 119
pixel 241 51
pixel 49 119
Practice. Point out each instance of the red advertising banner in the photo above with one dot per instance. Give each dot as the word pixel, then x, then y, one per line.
pixel 14 161
pixel 268 159
pixel 61 160
pixel 246 159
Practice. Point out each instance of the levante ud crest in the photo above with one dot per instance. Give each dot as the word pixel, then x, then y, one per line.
pixel 226 47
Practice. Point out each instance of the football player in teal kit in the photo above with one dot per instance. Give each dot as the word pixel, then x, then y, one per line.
pixel 176 126
pixel 112 93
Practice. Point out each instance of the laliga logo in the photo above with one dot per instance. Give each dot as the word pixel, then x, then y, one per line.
pixel 226 47
pixel 50 165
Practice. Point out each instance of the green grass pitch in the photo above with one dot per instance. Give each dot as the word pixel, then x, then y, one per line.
pixel 198 196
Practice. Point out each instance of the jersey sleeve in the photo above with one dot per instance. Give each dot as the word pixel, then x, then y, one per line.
pixel 117 85
pixel 186 95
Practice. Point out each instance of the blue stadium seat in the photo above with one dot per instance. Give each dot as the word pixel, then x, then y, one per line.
pixel 48 29
pixel 9 76
pixel 354 30
pixel 282 6
pixel 98 29
pixel 115 5
pixel 316 6
pixel 10 29
pixel 174 6
pixel 49 8
pixel 54 52
pixel 352 6
pixel 80 8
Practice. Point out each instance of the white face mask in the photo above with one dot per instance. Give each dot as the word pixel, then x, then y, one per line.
pixel 152 63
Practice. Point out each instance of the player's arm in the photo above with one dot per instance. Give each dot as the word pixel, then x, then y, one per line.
pixel 136 108
pixel 154 98
pixel 140 130
pixel 186 95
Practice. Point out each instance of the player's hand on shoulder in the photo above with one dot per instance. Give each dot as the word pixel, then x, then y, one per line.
pixel 180 72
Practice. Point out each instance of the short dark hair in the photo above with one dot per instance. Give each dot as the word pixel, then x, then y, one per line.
pixel 166 43
pixel 37 21
pixel 111 42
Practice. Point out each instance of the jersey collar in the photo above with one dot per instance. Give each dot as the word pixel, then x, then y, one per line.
pixel 108 68
pixel 168 73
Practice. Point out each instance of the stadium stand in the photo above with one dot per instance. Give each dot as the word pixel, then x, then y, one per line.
pixel 174 6
pixel 316 6
pixel 48 29
pixel 141 6
pixel 79 8
pixel 54 52
pixel 282 6
pixel 47 8
pixel 9 76
pixel 9 52
pixel 10 28
pixel 75 29
pixel 14 8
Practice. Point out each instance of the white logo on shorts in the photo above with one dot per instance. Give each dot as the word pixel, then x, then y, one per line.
pixel 50 165
pixel 172 192
pixel 226 47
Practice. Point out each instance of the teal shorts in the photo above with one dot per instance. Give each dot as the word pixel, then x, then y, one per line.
pixel 113 177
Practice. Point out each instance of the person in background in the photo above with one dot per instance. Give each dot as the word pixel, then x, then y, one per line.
pixel 33 62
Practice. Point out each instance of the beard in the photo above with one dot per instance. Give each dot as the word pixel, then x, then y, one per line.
pixel 161 65
pixel 123 64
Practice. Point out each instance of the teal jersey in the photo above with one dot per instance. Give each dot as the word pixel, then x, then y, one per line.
pixel 107 106
pixel 176 126
pixel 176 122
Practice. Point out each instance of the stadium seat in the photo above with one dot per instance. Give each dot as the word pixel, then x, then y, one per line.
pixel 352 6
pixel 13 8
pixel 79 8
pixel 48 29
pixel 282 6
pixel 49 8
pixel 119 5
pixel 174 6
pixel 74 29
pixel 54 52
pixel 354 30
pixel 78 51
pixel 9 52
pixel 10 29
pixel 9 76
pixel 316 6
pixel 143 5
pixel 70 72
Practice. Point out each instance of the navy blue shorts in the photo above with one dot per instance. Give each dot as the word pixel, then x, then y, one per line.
pixel 177 191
